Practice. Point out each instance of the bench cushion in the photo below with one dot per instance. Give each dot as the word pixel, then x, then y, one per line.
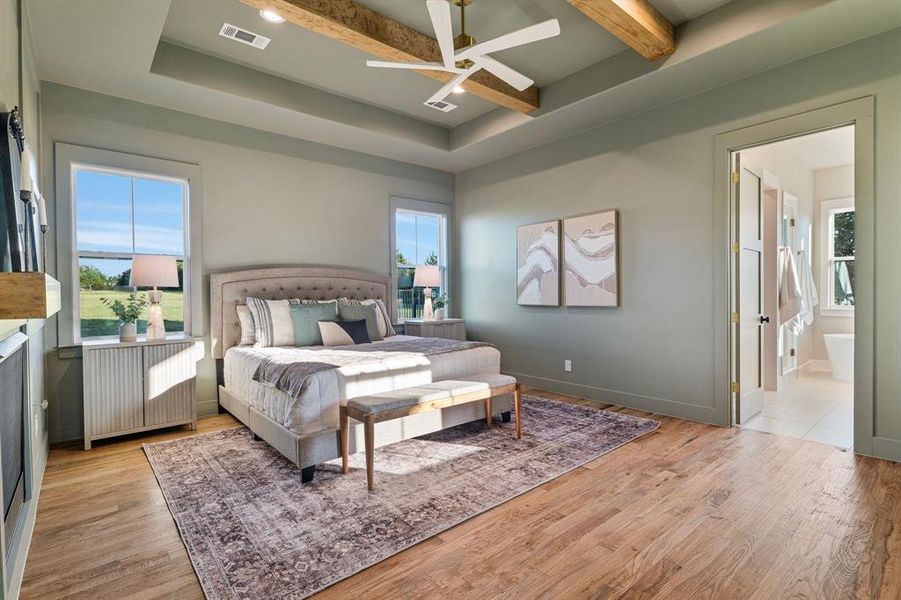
pixel 429 392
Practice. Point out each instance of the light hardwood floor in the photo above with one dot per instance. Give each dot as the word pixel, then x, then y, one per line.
pixel 689 511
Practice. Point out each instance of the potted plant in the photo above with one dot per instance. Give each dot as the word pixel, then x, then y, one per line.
pixel 439 303
pixel 128 313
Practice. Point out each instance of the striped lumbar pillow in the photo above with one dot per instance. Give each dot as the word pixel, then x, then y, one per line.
pixel 272 324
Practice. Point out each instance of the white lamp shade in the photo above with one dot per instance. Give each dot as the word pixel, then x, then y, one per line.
pixel 427 276
pixel 148 270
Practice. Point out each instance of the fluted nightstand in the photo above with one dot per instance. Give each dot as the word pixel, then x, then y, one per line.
pixel 452 329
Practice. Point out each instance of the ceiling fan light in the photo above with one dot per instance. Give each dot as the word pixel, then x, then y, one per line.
pixel 458 89
pixel 271 16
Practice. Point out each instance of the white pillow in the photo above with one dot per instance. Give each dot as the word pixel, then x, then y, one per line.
pixel 245 319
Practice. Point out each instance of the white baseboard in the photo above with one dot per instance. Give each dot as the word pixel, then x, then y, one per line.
pixel 17 572
pixel 207 408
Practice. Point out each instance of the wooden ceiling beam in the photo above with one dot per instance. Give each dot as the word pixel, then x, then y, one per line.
pixel 387 39
pixel 635 22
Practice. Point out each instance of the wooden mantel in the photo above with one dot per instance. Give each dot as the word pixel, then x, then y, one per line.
pixel 28 296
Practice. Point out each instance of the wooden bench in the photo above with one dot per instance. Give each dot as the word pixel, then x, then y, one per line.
pixel 385 406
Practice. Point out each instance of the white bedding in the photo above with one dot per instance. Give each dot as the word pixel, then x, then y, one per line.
pixel 317 409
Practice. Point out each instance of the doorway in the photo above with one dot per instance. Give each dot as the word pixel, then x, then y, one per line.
pixel 793 301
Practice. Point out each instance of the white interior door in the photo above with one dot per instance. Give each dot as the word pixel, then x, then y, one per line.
pixel 748 317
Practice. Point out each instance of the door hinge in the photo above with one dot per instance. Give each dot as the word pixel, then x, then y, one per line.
pixel 734 387
pixel 736 177
pixel 791 352
pixel 791 222
pixel 735 317
pixel 734 247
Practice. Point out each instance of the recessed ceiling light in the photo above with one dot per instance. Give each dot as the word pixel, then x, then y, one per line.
pixel 271 16
pixel 459 90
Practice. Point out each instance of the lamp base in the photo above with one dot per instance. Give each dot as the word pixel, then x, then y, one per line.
pixel 427 313
pixel 156 327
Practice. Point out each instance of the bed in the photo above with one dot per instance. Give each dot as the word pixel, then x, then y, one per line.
pixel 305 428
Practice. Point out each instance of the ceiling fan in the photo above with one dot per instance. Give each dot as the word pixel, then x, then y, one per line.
pixel 463 56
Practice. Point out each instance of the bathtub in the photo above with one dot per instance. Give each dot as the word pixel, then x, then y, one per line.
pixel 840 348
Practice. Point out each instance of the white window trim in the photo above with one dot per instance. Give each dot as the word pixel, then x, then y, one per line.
pixel 827 208
pixel 425 207
pixel 70 157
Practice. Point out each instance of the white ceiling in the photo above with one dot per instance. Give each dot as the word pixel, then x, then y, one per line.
pixel 166 53
pixel 822 150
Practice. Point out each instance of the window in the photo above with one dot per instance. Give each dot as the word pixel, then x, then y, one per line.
pixel 838 277
pixel 419 236
pixel 119 214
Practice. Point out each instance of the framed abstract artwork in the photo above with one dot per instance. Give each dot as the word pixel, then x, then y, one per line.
pixel 538 264
pixel 590 259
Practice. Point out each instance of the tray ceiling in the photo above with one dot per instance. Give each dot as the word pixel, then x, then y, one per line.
pixel 169 54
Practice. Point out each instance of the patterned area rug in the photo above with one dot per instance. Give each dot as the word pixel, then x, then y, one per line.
pixel 253 530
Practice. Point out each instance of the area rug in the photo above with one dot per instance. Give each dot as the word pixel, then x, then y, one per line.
pixel 253 530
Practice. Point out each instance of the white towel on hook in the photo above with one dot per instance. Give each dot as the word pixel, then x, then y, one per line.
pixel 790 297
pixel 809 297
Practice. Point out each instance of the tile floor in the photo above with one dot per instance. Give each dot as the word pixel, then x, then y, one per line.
pixel 812 406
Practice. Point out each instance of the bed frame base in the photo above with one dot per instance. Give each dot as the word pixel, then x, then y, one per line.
pixel 306 474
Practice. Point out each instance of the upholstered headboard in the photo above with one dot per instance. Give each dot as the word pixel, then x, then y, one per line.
pixel 227 290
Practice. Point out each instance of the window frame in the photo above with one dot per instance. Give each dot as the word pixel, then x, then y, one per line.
pixel 829 208
pixel 445 235
pixel 69 159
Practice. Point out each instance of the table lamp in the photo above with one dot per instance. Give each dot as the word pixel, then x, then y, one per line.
pixel 427 276
pixel 149 270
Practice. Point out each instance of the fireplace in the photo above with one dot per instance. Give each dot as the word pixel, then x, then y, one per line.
pixel 13 396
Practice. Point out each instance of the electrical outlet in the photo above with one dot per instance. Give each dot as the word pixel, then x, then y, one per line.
pixel 568 366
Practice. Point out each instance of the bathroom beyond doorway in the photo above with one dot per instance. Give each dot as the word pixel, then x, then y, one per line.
pixel 796 286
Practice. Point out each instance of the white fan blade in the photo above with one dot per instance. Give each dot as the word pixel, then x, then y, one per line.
pixel 514 78
pixel 440 12
pixel 402 65
pixel 448 87
pixel 527 35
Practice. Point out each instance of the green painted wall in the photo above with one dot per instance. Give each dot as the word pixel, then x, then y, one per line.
pixel 656 352
pixel 267 200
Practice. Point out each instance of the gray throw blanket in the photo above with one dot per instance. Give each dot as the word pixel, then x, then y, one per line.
pixel 291 371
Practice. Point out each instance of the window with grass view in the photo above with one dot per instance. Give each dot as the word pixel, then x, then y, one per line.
pixel 420 240
pixel 839 280
pixel 118 215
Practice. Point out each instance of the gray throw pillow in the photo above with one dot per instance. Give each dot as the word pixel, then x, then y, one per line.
pixel 353 312
pixel 306 317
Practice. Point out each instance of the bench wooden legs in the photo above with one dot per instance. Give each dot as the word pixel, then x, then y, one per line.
pixel 369 434
pixel 345 434
pixel 517 408
pixel 369 430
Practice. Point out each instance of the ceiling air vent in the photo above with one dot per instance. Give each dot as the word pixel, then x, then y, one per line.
pixel 245 37
pixel 441 105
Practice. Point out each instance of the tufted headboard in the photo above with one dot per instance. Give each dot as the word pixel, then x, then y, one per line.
pixel 227 290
